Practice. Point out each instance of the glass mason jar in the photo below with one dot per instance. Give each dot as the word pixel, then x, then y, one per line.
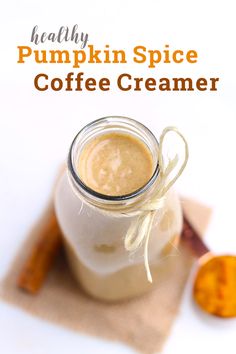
pixel 94 225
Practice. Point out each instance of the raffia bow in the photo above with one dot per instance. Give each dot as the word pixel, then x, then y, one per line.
pixel 140 229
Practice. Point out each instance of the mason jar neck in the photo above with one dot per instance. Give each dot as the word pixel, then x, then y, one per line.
pixel 108 125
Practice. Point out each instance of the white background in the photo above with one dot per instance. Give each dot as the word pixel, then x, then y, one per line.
pixel 36 129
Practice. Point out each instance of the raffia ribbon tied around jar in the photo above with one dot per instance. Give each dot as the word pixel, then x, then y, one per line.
pixel 140 229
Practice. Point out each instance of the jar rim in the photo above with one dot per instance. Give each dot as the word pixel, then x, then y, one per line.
pixel 101 196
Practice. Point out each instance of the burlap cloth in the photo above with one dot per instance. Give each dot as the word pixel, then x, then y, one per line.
pixel 143 323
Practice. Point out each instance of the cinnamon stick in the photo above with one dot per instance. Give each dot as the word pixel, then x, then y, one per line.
pixel 41 258
pixel 192 238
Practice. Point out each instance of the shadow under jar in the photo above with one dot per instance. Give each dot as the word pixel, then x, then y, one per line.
pixel 95 224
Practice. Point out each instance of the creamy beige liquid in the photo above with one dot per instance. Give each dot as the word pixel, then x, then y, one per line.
pixel 115 164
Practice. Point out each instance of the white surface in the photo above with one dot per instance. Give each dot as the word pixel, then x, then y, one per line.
pixel 37 128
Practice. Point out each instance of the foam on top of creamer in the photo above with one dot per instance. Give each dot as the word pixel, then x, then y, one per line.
pixel 115 164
